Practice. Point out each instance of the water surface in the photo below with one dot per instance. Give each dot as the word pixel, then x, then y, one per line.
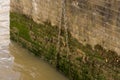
pixel 17 63
pixel 31 67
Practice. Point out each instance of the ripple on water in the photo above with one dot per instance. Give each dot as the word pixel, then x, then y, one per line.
pixel 26 67
pixel 6 60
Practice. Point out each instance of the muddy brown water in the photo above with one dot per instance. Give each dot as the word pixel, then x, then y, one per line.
pixel 30 67
pixel 17 63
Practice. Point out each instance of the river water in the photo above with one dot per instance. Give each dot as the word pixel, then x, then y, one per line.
pixel 30 67
pixel 17 63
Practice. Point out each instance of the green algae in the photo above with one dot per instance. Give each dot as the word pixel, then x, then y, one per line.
pixel 42 39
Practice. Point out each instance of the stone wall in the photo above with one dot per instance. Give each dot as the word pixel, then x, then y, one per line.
pixel 79 37
pixel 39 10
pixel 91 22
pixel 96 22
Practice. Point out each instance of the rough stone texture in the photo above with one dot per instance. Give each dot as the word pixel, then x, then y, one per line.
pixel 76 61
pixel 92 22
pixel 96 22
pixel 87 32
pixel 39 10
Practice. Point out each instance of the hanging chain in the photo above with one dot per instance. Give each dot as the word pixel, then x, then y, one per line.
pixel 59 34
pixel 62 24
pixel 66 33
pixel 66 27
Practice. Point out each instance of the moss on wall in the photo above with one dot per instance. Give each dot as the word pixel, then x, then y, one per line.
pixel 82 62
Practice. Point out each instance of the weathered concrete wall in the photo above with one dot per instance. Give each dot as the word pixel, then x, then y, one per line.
pixel 39 10
pixel 91 22
pixel 80 37
pixel 96 22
